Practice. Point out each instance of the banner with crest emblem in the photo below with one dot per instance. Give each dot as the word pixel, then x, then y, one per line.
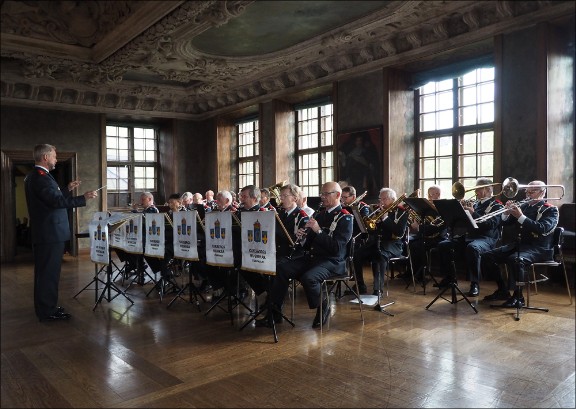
pixel 218 227
pixel 98 230
pixel 258 242
pixel 155 232
pixel 185 237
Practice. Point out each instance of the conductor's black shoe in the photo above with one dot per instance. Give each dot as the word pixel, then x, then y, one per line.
pixel 59 309
pixel 57 316
pixel 498 295
pixel 474 290
pixel 325 315
pixel 445 282
pixel 514 302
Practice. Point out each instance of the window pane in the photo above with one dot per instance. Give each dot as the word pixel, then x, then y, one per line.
pixel 445 119
pixel 445 145
pixel 468 144
pixel 444 167
pixel 445 100
pixel 468 166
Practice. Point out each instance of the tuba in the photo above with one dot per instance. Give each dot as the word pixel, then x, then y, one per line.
pixel 275 191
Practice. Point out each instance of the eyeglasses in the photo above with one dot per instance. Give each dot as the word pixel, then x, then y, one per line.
pixel 286 195
pixel 327 193
pixel 345 197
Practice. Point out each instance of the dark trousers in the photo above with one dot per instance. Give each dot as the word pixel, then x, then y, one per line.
pixel 310 272
pixel 516 260
pixel 472 251
pixel 47 265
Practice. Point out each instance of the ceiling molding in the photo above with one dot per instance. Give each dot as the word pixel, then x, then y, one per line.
pixel 137 58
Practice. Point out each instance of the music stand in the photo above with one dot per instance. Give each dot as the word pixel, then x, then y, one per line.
pixel 193 291
pixel 425 209
pixel 360 221
pixel 454 215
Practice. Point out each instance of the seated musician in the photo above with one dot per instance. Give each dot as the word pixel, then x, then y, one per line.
pixel 292 218
pixel 216 276
pixel 136 261
pixel 265 199
pixel 385 241
pixel 474 242
pixel 348 199
pixel 162 265
pixel 535 220
pixel 325 239
pixel 302 203
pixel 425 235
pixel 210 202
pixel 249 202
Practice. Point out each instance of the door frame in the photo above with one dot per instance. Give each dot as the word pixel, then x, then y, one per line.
pixel 8 159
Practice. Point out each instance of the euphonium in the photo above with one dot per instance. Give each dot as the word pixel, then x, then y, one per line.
pixel 371 220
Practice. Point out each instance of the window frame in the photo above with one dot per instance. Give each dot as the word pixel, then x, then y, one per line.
pixel 319 172
pixel 116 197
pixel 254 159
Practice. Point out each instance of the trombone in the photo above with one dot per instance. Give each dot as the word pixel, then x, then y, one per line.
pixel 459 191
pixel 510 188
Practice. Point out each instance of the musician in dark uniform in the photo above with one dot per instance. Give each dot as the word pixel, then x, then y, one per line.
pixel 326 240
pixel 385 241
pixel 265 199
pixel 348 199
pixel 474 242
pixel 249 202
pixel 425 235
pixel 292 217
pixel 48 210
pixel 535 220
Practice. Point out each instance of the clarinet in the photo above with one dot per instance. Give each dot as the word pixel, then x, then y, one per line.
pixel 298 243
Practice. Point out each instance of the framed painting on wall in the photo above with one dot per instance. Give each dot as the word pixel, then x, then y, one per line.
pixel 359 159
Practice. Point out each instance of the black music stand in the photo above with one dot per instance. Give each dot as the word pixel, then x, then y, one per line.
pixel 425 209
pixel 230 296
pixel 454 215
pixel 193 291
pixel 109 285
pixel 360 221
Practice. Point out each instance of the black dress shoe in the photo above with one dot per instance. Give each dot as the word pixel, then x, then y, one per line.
pixel 325 315
pixel 514 302
pixel 59 309
pixel 57 316
pixel 497 295
pixel 474 290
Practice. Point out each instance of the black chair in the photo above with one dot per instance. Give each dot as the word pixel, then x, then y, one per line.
pixel 557 261
pixel 349 280
pixel 405 259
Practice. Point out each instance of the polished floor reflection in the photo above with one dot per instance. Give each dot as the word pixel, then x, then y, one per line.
pixel 145 355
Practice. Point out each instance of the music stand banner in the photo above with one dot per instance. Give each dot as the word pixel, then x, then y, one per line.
pixel 259 242
pixel 98 231
pixel 218 227
pixel 185 239
pixel 155 234
pixel 100 216
pixel 132 231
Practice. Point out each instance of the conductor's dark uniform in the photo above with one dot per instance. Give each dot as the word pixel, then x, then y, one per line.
pixel 47 208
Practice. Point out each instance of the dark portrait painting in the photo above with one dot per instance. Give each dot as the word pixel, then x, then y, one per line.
pixel 360 160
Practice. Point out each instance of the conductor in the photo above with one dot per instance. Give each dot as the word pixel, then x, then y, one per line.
pixel 47 208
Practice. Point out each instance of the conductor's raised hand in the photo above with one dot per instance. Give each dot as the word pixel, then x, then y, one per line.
pixel 73 185
pixel 92 194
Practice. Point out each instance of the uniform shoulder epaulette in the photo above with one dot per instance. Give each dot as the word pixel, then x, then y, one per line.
pixel 548 204
pixel 361 204
pixel 498 201
pixel 344 211
pixel 263 209
pixel 41 172
pixel 401 207
pixel 303 213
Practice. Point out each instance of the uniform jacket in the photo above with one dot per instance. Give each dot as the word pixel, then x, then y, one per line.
pixel 292 222
pixel 489 228
pixel 47 207
pixel 393 227
pixel 541 219
pixel 332 243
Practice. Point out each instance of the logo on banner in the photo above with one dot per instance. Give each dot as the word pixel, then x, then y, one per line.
pixel 256 234
pixel 184 229
pixel 217 232
pixel 99 234
pixel 131 229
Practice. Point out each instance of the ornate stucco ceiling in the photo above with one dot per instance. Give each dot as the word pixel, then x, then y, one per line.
pixel 197 59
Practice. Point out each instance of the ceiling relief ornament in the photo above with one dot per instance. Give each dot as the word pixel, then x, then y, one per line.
pixel 134 57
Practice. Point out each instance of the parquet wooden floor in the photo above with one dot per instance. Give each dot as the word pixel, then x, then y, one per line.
pixel 145 355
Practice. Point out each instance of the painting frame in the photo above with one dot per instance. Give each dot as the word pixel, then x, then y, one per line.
pixel 359 160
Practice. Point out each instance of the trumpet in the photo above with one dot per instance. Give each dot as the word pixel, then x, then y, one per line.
pixel 373 218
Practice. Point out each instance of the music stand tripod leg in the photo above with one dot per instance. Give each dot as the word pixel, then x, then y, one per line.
pixel 382 307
